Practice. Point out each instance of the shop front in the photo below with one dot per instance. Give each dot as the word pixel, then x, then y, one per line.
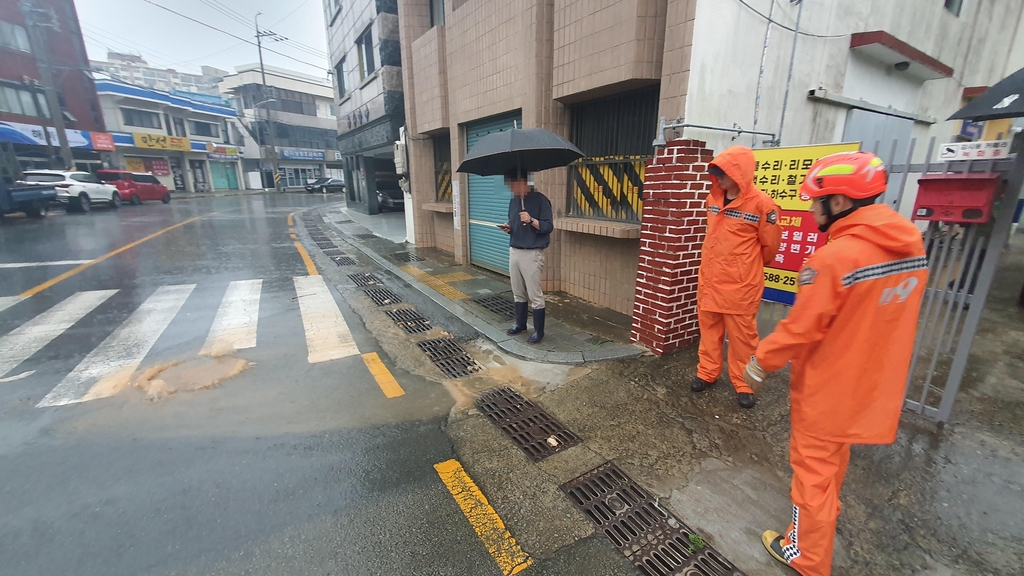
pixel 31 145
pixel 299 166
pixel 160 155
pixel 224 166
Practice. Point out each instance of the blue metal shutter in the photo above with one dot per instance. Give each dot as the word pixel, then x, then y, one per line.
pixel 488 202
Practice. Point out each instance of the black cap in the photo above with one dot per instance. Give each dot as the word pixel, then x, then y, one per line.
pixel 714 170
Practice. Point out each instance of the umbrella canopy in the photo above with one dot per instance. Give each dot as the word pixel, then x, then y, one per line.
pixel 532 149
pixel 1004 100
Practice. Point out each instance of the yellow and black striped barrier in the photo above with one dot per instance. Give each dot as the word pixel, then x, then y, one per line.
pixel 443 181
pixel 608 187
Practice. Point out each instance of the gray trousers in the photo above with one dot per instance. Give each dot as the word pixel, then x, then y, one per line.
pixel 526 268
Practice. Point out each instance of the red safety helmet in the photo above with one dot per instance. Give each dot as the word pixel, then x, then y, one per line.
pixel 856 175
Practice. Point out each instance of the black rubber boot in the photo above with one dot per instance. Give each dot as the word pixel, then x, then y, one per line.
pixel 538 326
pixel 522 310
pixel 699 385
pixel 746 400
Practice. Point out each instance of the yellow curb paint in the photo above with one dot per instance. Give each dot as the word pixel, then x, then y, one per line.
pixel 310 267
pixel 58 279
pixel 434 282
pixel 383 376
pixel 488 525
pixel 291 222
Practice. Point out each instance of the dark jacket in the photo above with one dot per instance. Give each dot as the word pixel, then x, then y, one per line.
pixel 524 235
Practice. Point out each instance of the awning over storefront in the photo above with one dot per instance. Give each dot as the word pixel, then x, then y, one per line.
pixel 34 135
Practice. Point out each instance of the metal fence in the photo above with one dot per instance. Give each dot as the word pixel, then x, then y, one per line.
pixel 609 189
pixel 961 262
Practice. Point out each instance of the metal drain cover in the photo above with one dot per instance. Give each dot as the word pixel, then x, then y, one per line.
pixel 441 348
pixel 344 260
pixel 327 244
pixel 366 236
pixel 458 366
pixel 529 426
pixel 410 320
pixel 408 257
pixel 364 279
pixel 651 537
pixel 498 304
pixel 333 252
pixel 382 296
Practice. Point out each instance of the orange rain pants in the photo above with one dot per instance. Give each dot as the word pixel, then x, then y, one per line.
pixel 743 338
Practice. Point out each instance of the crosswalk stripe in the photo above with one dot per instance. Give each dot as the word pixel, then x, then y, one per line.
pixel 122 352
pixel 235 323
pixel 30 337
pixel 327 334
pixel 8 301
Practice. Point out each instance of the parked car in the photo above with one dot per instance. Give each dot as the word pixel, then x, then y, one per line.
pixel 389 195
pixel 323 185
pixel 77 190
pixel 32 199
pixel 136 187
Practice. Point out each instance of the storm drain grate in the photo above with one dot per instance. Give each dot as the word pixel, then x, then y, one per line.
pixel 344 260
pixel 366 236
pixel 333 252
pixel 527 425
pixel 364 279
pixel 408 257
pixel 382 296
pixel 441 348
pixel 410 320
pixel 327 244
pixel 458 366
pixel 651 537
pixel 499 305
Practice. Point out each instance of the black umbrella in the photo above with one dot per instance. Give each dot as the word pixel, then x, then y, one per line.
pixel 1004 100
pixel 532 149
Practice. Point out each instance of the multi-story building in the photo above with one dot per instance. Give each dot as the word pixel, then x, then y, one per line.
pixel 26 125
pixel 363 36
pixel 189 145
pixel 133 69
pixel 603 73
pixel 299 108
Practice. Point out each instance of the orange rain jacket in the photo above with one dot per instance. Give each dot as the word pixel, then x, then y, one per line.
pixel 742 238
pixel 851 331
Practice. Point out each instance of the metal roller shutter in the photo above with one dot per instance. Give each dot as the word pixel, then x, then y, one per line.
pixel 488 202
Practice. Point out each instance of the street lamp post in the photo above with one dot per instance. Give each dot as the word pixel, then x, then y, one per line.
pixel 263 73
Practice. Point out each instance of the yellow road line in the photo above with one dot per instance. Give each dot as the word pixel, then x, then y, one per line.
pixel 310 267
pixel 293 236
pixel 291 222
pixel 58 279
pixel 383 376
pixel 488 525
pixel 435 283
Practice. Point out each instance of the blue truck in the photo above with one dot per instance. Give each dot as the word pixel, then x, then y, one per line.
pixel 32 199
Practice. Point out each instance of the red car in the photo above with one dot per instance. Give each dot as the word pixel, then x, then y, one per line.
pixel 135 187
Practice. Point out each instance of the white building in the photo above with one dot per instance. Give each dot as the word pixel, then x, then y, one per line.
pixel 133 69
pixel 300 107
pixel 188 145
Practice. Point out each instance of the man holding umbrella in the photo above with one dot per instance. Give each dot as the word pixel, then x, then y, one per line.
pixel 529 227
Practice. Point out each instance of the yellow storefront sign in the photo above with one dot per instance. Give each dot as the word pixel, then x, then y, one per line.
pixel 134 164
pixel 161 142
pixel 781 171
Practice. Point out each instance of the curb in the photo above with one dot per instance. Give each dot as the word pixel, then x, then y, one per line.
pixel 498 336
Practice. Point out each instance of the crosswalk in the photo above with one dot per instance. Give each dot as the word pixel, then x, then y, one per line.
pixel 122 352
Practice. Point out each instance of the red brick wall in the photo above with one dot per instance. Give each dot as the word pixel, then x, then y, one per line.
pixel 671 232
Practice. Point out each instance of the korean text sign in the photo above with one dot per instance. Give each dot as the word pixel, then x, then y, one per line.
pixel 161 142
pixel 779 173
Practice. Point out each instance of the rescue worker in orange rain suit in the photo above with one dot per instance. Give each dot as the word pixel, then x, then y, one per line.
pixel 850 336
pixel 742 237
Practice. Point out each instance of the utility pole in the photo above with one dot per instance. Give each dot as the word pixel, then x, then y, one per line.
pixel 37 21
pixel 270 126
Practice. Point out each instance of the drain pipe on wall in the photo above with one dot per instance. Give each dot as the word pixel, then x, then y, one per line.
pixel 760 74
pixel 792 58
pixel 659 142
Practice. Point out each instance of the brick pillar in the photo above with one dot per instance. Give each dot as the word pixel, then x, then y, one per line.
pixel 671 232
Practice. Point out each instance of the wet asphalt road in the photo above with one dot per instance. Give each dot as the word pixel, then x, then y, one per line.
pixel 291 467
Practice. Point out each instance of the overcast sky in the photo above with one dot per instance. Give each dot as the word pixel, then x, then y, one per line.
pixel 169 41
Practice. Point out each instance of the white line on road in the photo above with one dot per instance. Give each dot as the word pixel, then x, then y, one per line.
pixel 235 323
pixel 125 348
pixel 8 301
pixel 30 337
pixel 37 264
pixel 327 334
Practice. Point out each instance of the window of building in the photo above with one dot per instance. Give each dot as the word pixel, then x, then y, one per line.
pixel 436 13
pixel 167 124
pixel 364 46
pixel 954 6
pixel 339 73
pixel 14 37
pixel 205 129
pixel 179 127
pixel 140 118
pixel 23 102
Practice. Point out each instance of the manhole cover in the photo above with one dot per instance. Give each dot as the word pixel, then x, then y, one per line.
pixel 382 296
pixel 458 366
pixel 344 260
pixel 526 424
pixel 410 320
pixel 333 252
pixel 327 244
pixel 651 537
pixel 408 257
pixel 500 305
pixel 364 279
pixel 366 236
pixel 441 348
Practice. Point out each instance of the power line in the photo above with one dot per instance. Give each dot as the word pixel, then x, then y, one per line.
pixel 286 16
pixel 784 27
pixel 241 19
pixel 201 23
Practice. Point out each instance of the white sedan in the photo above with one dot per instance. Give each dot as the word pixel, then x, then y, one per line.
pixel 79 190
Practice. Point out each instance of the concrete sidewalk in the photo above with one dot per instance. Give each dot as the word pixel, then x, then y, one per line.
pixel 576 331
